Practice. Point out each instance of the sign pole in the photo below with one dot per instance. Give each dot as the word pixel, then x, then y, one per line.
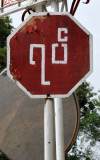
pixel 49 130
pixel 54 6
pixel 59 129
pixel 58 107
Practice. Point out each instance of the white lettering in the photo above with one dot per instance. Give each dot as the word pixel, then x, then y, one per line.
pixel 42 46
pixel 54 61
pixel 54 46
pixel 65 39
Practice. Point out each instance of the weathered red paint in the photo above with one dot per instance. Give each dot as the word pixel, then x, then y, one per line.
pixel 62 77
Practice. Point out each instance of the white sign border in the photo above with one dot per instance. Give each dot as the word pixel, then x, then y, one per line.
pixel 51 95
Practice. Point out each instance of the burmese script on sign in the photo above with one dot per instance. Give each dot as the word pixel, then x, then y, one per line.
pixel 49 59
pixel 54 61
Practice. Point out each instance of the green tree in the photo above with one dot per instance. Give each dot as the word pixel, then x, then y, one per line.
pixel 5 30
pixel 3 57
pixel 89 131
pixel 3 157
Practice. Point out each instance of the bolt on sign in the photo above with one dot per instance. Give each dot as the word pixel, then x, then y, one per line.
pixel 49 55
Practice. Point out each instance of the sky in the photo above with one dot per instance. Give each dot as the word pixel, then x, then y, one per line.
pixel 89 16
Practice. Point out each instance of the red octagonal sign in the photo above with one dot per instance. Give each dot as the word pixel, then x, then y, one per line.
pixel 49 55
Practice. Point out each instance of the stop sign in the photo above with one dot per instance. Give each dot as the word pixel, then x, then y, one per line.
pixel 49 55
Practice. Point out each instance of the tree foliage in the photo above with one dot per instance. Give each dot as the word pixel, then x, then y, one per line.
pixel 3 57
pixel 89 131
pixel 3 156
pixel 5 30
pixel 90 118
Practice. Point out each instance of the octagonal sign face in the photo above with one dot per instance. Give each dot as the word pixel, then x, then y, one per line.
pixel 49 55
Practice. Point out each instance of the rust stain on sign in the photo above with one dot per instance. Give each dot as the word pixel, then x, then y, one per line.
pixel 32 24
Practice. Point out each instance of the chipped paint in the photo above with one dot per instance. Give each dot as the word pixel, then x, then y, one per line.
pixel 32 22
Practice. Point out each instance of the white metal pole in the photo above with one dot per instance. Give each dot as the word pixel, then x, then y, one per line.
pixel 54 6
pixel 49 130
pixel 59 129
